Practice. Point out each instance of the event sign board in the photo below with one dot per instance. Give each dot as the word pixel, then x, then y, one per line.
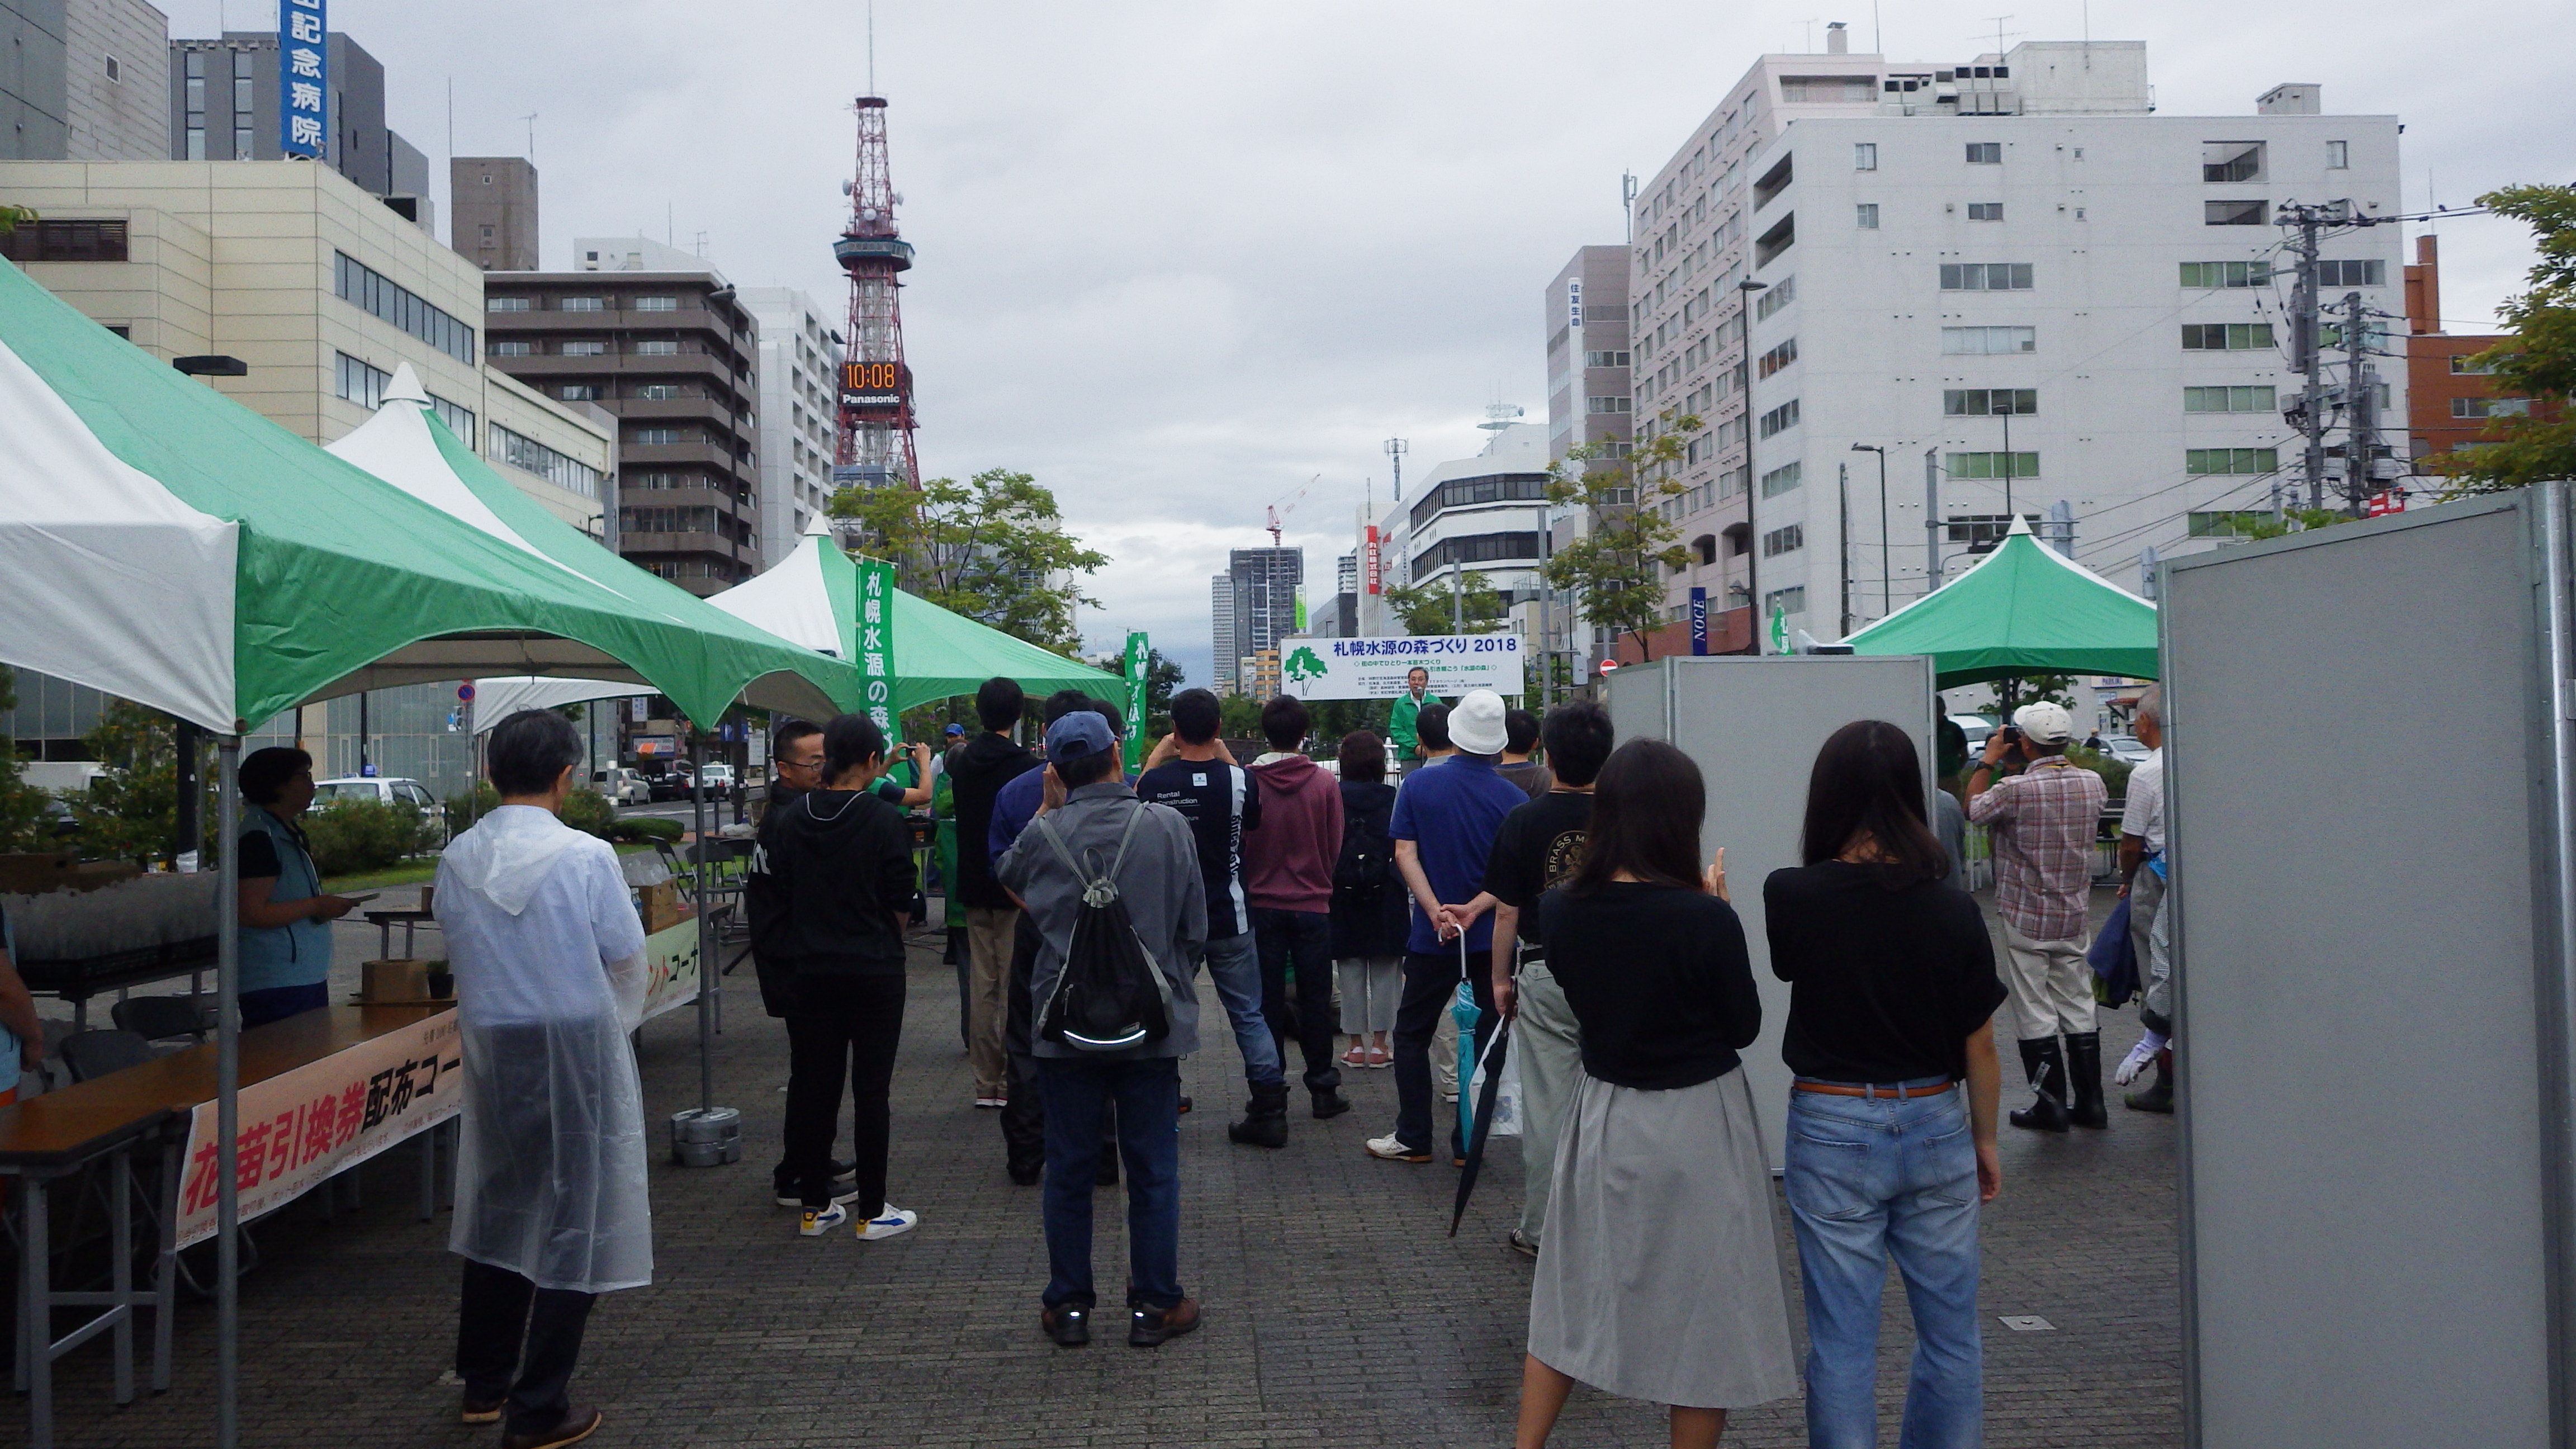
pixel 1376 668
pixel 300 1127
pixel 671 972
pixel 303 79
pixel 876 639
pixel 1139 656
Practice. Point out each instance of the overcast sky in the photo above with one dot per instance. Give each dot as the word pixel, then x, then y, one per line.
pixel 1177 257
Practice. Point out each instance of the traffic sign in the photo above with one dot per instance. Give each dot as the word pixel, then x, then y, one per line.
pixel 1607 665
pixel 465 691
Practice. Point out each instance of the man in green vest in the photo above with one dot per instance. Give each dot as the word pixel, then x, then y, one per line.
pixel 1408 708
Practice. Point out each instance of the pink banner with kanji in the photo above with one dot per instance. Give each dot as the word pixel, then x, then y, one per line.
pixel 299 1127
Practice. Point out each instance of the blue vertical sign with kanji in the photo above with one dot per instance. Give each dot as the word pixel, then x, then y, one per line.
pixel 876 640
pixel 303 80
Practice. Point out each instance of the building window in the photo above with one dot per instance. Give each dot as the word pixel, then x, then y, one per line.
pixel 1782 293
pixel 1992 465
pixel 1772 183
pixel 1785 601
pixel 1784 540
pixel 582 304
pixel 658 391
pixel 1985 211
pixel 1985 153
pixel 513 349
pixel 657 304
pixel 2490 407
pixel 379 295
pixel 656 437
pixel 1590 359
pixel 362 384
pixel 579 392
pixel 585 349
pixel 1995 402
pixel 458 417
pixel 2227 274
pixel 2227 399
pixel 1777 240
pixel 1864 156
pixel 1828 89
pixel 1981 531
pixel 1865 215
pixel 1476 549
pixel 65 241
pixel 2236 213
pixel 1781 479
pixel 1605 404
pixel 1777 358
pixel 505 304
pixel 2352 274
pixel 2231 460
pixel 529 455
pixel 1985 276
pixel 1988 341
pixel 1780 419
pixel 2226 336
pixel 2231 160
pixel 2338 155
pixel 2471 363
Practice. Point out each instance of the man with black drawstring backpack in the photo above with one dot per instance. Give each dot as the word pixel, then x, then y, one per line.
pixel 1093 831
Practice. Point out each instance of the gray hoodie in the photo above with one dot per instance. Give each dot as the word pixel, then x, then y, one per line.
pixel 1158 882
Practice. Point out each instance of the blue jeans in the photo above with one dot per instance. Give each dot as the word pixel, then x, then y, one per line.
pixel 1148 1098
pixel 1234 963
pixel 1869 1179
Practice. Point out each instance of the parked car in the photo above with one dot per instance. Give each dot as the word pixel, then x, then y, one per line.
pixel 1976 728
pixel 387 792
pixel 672 784
pixel 623 785
pixel 2127 749
pixel 719 778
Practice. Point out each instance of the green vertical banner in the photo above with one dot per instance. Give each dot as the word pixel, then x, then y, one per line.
pixel 1139 654
pixel 876 640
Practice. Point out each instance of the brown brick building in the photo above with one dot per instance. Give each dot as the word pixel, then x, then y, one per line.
pixel 2448 399
pixel 675 356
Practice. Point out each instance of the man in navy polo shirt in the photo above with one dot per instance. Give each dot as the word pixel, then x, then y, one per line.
pixel 1444 825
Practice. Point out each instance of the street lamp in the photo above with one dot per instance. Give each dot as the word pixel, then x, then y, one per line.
pixel 1885 587
pixel 1744 291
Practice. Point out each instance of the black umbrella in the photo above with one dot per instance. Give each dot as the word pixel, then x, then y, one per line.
pixel 1492 1064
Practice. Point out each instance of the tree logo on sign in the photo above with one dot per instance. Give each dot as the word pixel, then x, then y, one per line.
pixel 1304 665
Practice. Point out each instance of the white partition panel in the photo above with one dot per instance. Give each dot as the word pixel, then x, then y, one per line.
pixel 2365 780
pixel 1754 726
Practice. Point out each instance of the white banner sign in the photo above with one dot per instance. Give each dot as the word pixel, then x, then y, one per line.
pixel 299 1127
pixel 670 968
pixel 1377 668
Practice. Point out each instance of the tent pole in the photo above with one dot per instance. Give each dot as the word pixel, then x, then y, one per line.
pixel 706 938
pixel 228 1097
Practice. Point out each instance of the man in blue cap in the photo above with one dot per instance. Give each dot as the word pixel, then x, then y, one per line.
pixel 1091 826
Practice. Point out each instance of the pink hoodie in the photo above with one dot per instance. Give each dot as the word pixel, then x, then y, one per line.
pixel 1288 862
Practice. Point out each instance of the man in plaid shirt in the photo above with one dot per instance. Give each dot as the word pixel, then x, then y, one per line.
pixel 2042 822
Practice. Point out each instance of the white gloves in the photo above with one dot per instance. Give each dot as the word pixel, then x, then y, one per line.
pixel 2138 1057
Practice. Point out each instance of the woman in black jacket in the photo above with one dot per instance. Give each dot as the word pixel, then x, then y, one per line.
pixel 829 890
pixel 1369 921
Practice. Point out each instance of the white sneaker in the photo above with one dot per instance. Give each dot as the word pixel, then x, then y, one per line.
pixel 818 1221
pixel 1392 1148
pixel 893 1222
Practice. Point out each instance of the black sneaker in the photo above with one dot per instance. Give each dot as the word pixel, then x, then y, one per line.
pixel 1148 1327
pixel 1069 1326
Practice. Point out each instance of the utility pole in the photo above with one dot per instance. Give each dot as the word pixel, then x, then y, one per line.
pixel 1842 538
pixel 2361 408
pixel 1396 448
pixel 1931 518
pixel 2305 355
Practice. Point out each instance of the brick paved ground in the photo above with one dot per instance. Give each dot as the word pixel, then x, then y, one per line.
pixel 1337 1314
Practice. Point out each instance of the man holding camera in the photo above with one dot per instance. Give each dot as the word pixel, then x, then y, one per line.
pixel 2042 823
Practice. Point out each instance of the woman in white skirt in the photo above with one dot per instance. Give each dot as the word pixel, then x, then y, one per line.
pixel 1661 1275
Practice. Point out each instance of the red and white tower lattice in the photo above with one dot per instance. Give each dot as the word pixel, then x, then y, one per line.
pixel 876 385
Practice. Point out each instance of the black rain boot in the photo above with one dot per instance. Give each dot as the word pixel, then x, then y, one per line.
pixel 2084 1067
pixel 1329 1103
pixel 2045 1066
pixel 2159 1097
pixel 1265 1118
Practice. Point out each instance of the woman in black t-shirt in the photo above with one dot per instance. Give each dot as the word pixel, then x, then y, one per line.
pixel 1660 1275
pixel 1892 994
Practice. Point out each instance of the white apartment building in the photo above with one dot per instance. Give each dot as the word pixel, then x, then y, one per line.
pixel 2010 274
pixel 799 357
pixel 1480 515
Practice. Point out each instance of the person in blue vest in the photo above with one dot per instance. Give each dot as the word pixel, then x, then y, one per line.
pixel 285 916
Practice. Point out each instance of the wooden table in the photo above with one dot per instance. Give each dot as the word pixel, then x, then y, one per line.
pixel 385 921
pixel 60 1133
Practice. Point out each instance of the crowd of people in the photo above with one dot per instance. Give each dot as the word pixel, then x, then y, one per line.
pixel 1540 868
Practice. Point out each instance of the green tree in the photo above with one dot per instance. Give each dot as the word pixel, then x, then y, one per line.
pixel 132 809
pixel 1238 717
pixel 1616 569
pixel 1430 609
pixel 992 548
pixel 2539 361
pixel 10 216
pixel 22 806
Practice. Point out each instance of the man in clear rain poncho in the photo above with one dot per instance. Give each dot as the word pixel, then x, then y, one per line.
pixel 551 1207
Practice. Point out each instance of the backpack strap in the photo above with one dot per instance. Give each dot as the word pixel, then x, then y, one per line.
pixel 1096 890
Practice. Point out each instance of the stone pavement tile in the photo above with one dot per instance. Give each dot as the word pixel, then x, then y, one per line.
pixel 1338 1312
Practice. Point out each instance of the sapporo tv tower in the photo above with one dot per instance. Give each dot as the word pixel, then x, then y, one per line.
pixel 875 448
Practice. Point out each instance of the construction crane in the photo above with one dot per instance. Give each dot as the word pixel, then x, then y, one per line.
pixel 1279 511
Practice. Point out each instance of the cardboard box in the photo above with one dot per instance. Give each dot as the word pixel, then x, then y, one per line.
pixel 662 907
pixel 399 980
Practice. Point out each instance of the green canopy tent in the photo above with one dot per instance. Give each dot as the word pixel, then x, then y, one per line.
pixel 167 545
pixel 2022 609
pixel 811 598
